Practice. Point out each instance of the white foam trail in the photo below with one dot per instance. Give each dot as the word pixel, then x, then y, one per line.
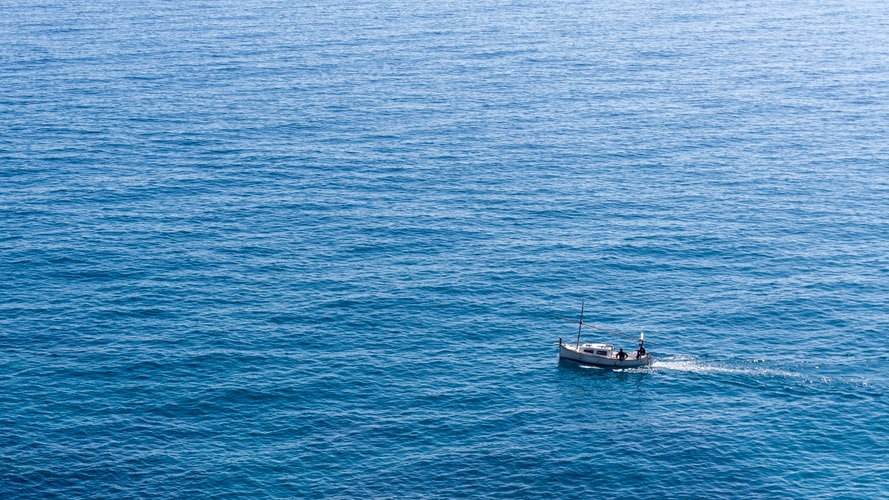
pixel 694 365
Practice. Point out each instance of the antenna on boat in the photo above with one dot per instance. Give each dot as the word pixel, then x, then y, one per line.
pixel 580 325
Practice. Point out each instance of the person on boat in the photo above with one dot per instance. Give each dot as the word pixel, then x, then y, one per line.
pixel 621 355
pixel 641 351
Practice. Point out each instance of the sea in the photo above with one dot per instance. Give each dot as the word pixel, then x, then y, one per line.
pixel 285 249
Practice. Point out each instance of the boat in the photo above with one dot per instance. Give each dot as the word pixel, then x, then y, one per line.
pixel 604 354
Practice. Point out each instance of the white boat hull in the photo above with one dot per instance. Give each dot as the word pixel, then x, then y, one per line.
pixel 602 355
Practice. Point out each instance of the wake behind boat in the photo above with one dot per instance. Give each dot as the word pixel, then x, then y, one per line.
pixel 604 355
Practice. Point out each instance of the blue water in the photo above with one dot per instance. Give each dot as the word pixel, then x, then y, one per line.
pixel 268 249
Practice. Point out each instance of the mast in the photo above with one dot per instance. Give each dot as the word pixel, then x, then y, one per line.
pixel 580 325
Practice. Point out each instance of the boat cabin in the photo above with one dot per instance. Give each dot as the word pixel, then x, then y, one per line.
pixel 601 350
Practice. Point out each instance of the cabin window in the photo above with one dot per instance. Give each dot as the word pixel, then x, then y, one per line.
pixel 589 351
pixel 602 353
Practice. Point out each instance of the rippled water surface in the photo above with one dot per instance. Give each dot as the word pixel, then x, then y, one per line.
pixel 297 250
